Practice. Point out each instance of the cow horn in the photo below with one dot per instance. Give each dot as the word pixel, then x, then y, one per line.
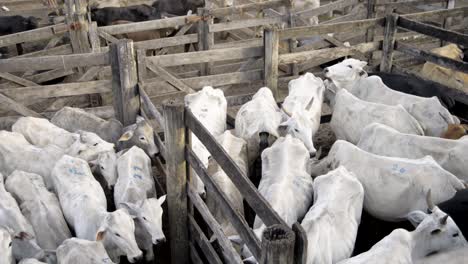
pixel 443 220
pixel 430 204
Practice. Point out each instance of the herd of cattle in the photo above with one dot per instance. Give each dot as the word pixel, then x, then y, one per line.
pixel 390 164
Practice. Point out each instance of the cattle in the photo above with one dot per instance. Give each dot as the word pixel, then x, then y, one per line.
pixel 178 7
pixel 140 134
pixel 24 242
pixel 15 24
pixel 257 122
pixel 75 119
pixel 40 207
pixel 305 98
pixel 429 112
pixel 435 232
pixel 16 153
pixel 351 115
pixel 285 183
pixel 237 149
pixel 79 251
pixel 393 186
pixel 440 74
pixel 135 191
pixel 137 13
pixel 41 132
pixel 416 86
pixel 85 208
pixel 6 246
pixel 31 261
pixel 456 131
pixel 332 222
pixel 209 106
pixel 385 141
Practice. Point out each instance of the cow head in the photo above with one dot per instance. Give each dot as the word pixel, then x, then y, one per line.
pixel 140 134
pixel 299 126
pixel 435 231
pixel 105 164
pixel 148 214
pixel 117 230
pixel 346 72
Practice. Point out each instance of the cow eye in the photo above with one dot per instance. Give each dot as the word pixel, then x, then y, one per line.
pixel 435 232
pixel 349 66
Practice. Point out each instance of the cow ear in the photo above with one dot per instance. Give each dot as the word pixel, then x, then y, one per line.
pixel 126 136
pixel 100 235
pixel 416 217
pixel 162 199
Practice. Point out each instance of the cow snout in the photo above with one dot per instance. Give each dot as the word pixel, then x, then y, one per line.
pixel 135 258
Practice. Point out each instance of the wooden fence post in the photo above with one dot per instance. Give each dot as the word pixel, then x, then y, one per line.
pixel 176 182
pixel 277 245
pixel 271 44
pixel 124 81
pixel 388 42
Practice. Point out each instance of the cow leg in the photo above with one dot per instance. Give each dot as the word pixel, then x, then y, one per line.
pixel 19 49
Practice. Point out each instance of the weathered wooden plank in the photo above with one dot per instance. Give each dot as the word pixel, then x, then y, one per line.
pixel 148 25
pixel 13 78
pixel 278 245
pixel 168 77
pixel 241 9
pixel 330 28
pixel 388 42
pixel 235 218
pixel 245 23
pixel 229 253
pixel 10 104
pixel 436 32
pixel 240 180
pixel 32 35
pixel 176 183
pixel 54 62
pixel 270 71
pixel 124 82
pixel 431 57
pixel 202 241
pixel 58 90
pixel 326 8
pixel 167 42
pixel 305 56
pixel 205 56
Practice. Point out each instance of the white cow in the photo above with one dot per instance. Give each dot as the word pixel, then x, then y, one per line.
pixel 351 115
pixel 285 183
pixel 435 232
pixel 40 207
pixel 237 149
pixel 79 251
pixel 6 243
pixel 135 191
pixel 209 106
pixel 40 132
pixel 85 209
pixel 24 242
pixel 75 119
pixel 394 187
pixel 386 141
pixel 257 122
pixel 305 98
pixel 332 222
pixel 429 112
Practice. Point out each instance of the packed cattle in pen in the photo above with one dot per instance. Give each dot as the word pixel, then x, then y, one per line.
pixel 392 189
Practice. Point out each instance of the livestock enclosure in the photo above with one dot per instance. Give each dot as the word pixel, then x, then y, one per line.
pixel 238 64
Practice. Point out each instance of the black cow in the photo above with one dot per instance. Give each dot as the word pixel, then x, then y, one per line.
pixel 178 7
pixel 15 24
pixel 137 13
